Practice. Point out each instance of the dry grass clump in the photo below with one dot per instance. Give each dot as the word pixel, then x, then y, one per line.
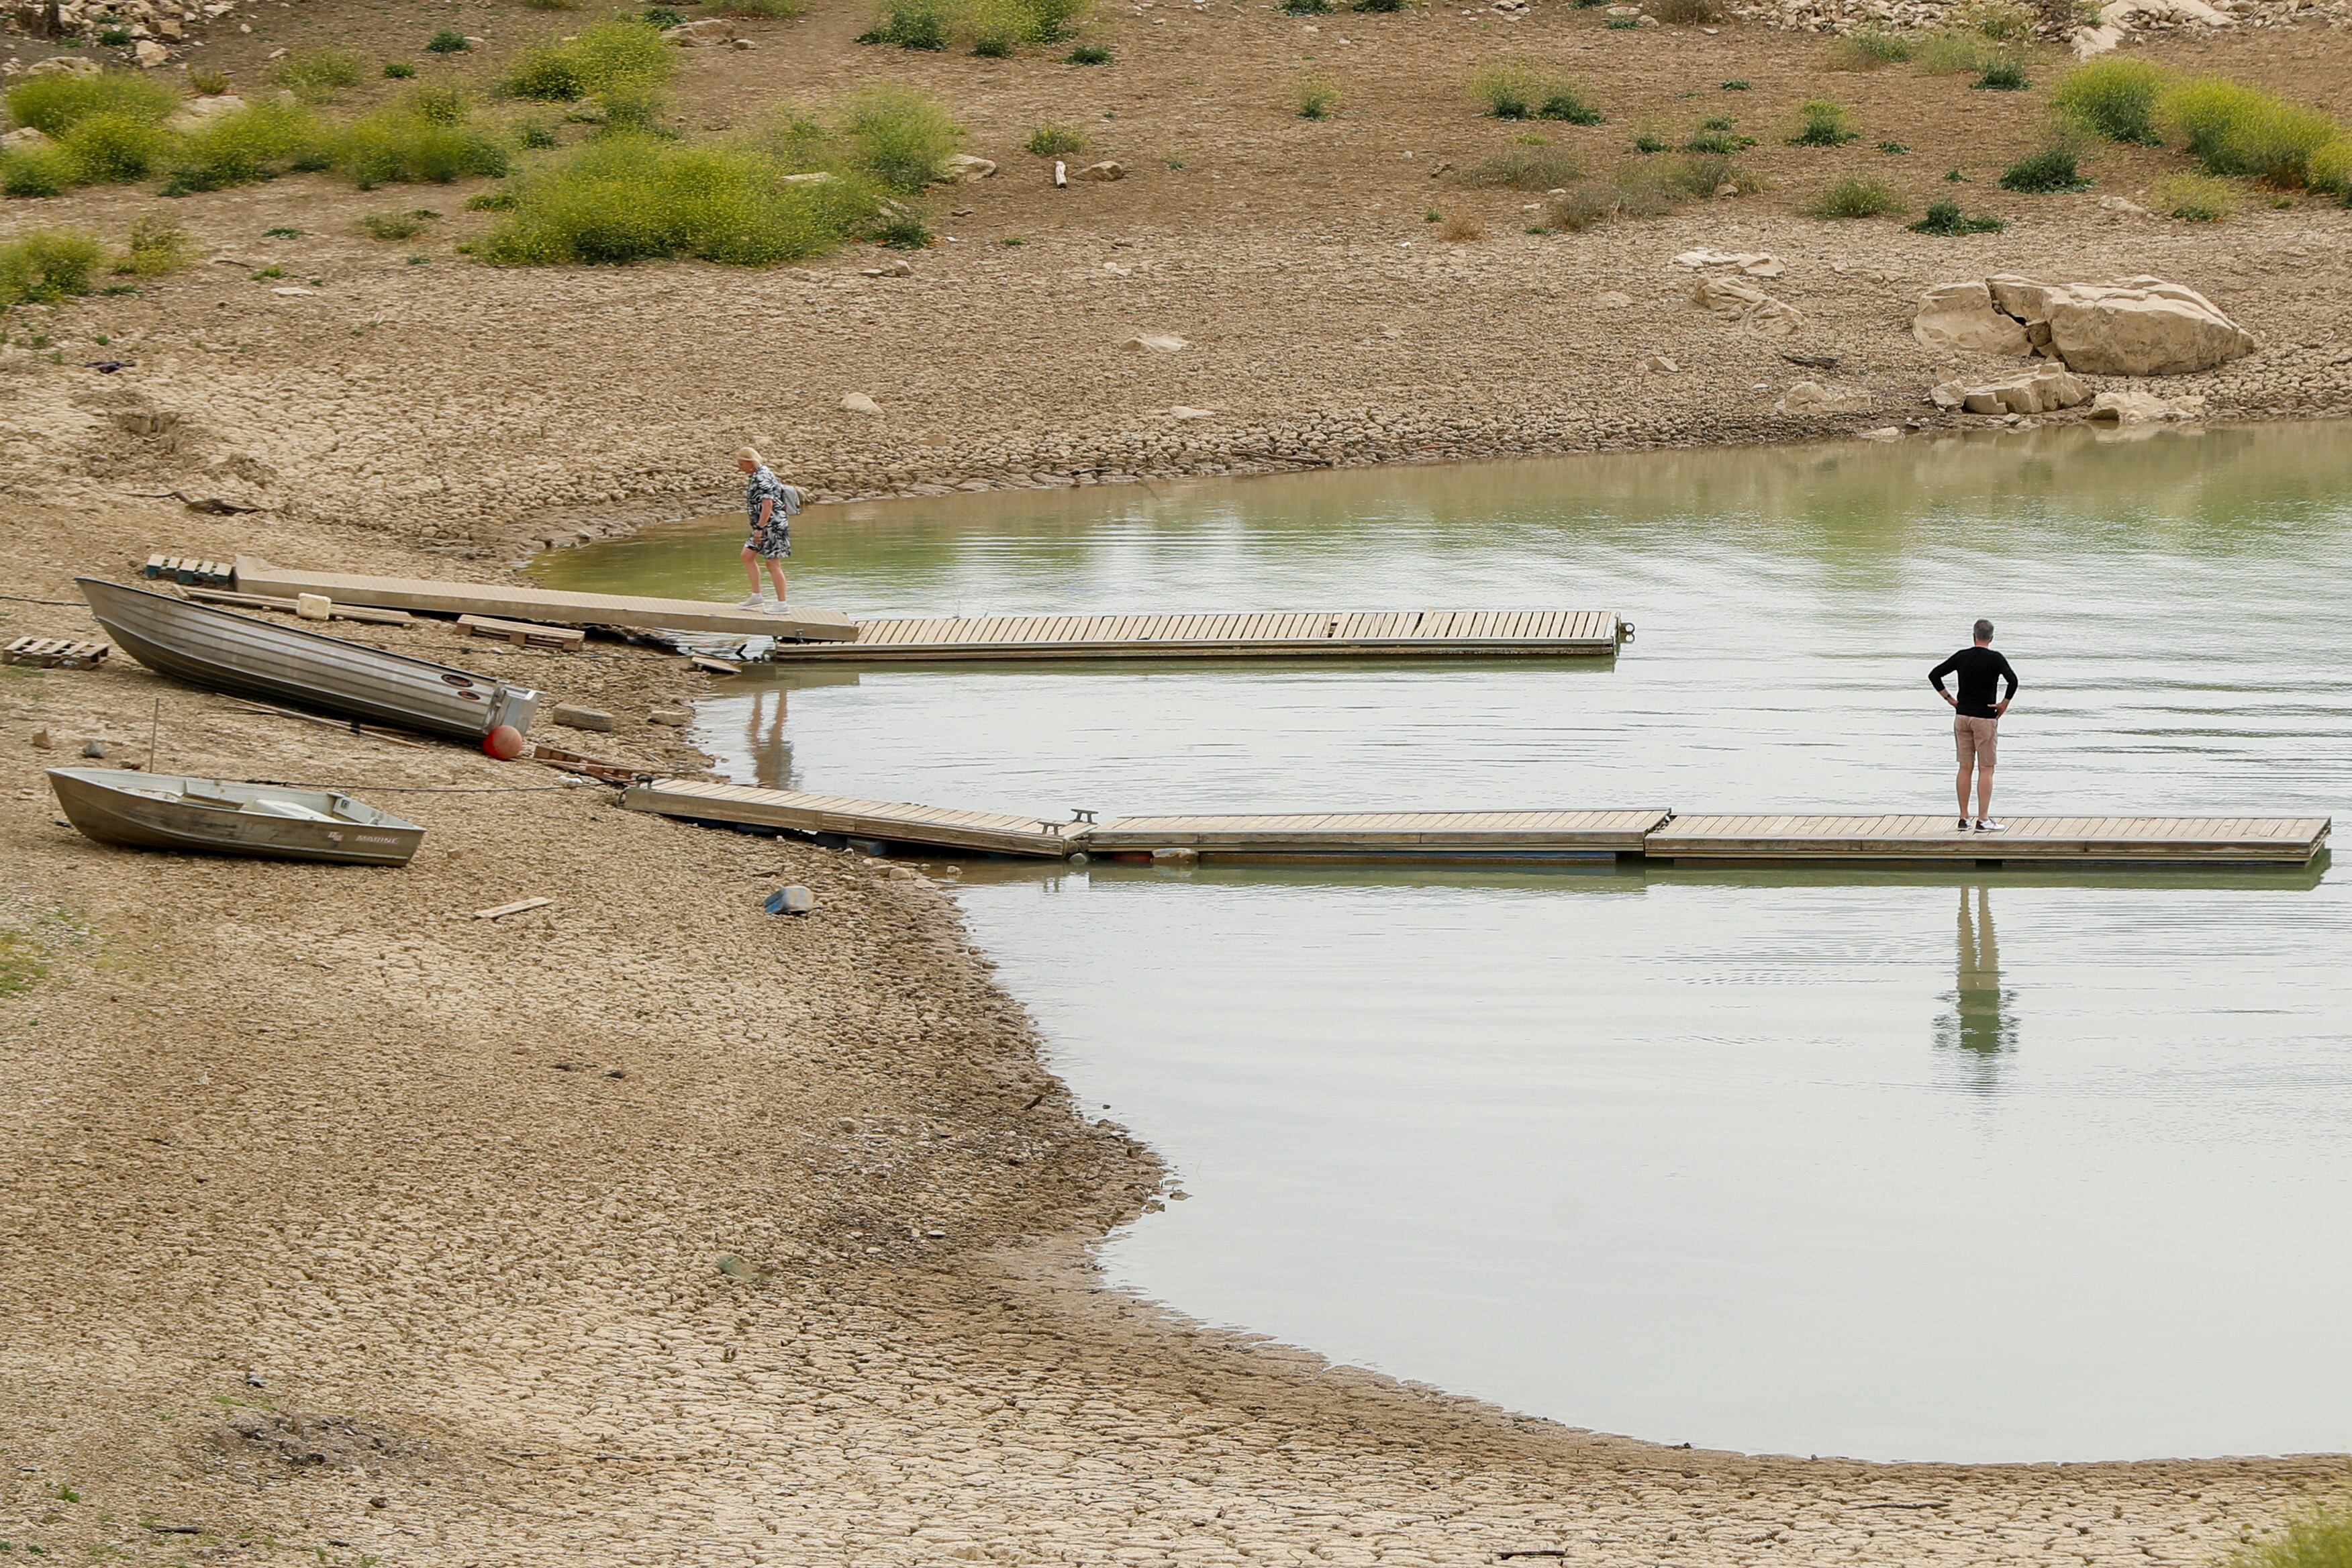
pixel 1869 49
pixel 1515 89
pixel 1687 12
pixel 893 135
pixel 1854 198
pixel 320 76
pixel 1460 230
pixel 1651 189
pixel 1316 98
pixel 2321 1537
pixel 1526 168
pixel 622 60
pixel 396 226
pixel 156 245
pixel 1055 139
pixel 47 264
pixel 2330 170
pixel 993 28
pixel 2195 198
pixel 54 105
pixel 2113 98
pixel 422 139
pixel 110 148
pixel 259 141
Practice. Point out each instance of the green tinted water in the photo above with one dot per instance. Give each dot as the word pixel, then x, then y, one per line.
pixel 1990 1165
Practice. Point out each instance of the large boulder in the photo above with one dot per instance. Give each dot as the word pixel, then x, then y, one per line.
pixel 2132 326
pixel 198 111
pixel 1962 316
pixel 2137 326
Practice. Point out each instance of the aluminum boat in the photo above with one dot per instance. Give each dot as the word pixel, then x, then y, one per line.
pixel 216 817
pixel 277 663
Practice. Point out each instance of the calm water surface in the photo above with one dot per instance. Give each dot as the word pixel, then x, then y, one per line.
pixel 1959 1166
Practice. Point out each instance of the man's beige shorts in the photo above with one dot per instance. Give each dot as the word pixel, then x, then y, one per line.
pixel 1976 739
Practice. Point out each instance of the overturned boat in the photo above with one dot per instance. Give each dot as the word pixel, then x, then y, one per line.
pixel 219 817
pixel 235 653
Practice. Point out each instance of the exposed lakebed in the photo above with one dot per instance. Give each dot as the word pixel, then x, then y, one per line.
pixel 2002 1166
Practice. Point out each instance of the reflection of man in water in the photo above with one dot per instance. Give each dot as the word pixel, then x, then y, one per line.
pixel 1979 1022
pixel 763 737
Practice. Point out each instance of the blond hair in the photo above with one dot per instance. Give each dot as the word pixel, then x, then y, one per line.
pixel 749 455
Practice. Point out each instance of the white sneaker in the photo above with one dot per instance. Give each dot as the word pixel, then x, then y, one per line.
pixel 1963 827
pixel 753 603
pixel 774 607
pixel 1987 824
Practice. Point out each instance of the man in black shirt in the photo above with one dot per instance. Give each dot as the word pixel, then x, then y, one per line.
pixel 1976 718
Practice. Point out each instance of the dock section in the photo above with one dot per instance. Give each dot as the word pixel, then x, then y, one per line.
pixel 2034 840
pixel 1650 833
pixel 1414 835
pixel 1422 634
pixel 554 605
pixel 797 812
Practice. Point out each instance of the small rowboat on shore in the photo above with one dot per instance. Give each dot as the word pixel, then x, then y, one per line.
pixel 279 664
pixel 215 817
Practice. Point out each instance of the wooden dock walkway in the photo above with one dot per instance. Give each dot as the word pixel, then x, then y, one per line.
pixel 1420 834
pixel 1592 634
pixel 1933 841
pixel 891 821
pixel 512 603
pixel 1649 833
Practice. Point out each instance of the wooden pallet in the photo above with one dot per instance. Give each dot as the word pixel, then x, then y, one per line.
pixel 1322 632
pixel 888 821
pixel 589 767
pixel 519 603
pixel 1918 840
pixel 55 653
pixel 189 571
pixel 562 640
pixel 1430 835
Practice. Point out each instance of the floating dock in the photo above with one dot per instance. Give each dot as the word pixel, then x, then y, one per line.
pixel 1430 835
pixel 993 832
pixel 1419 634
pixel 500 601
pixel 1648 834
pixel 2169 840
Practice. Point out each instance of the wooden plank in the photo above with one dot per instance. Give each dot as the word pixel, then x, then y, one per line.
pixel 518 907
pixel 519 603
pixel 524 635
pixel 893 821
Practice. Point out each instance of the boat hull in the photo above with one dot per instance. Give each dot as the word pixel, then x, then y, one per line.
pixel 250 658
pixel 102 804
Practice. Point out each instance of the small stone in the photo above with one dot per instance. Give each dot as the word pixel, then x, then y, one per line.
pixel 858 403
pixel 577 717
pixel 1184 411
pixel 1107 168
pixel 1661 365
pixel 149 53
pixel 94 749
pixel 41 741
pixel 1614 300
pixel 675 716
pixel 1884 433
pixel 965 168
pixel 1158 342
pixel 23 139
pixel 313 607
pixel 789 899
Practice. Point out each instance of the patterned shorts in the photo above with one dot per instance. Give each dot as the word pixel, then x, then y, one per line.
pixel 772 541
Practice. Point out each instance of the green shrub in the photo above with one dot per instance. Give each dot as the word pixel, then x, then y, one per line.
pixel 2051 169
pixel 1854 198
pixel 900 229
pixel 2320 1538
pixel 113 147
pixel 2003 75
pixel 621 59
pixel 417 141
pixel 995 26
pixel 47 264
pixel 899 137
pixel 1687 12
pixel 536 134
pixel 1565 103
pixel 1700 175
pixel 1316 98
pixel 399 70
pixel 1307 8
pixel 1509 90
pixel 320 76
pixel 39 171
pixel 54 105
pixel 156 245
pixel 1823 124
pixel 661 17
pixel 1087 55
pixel 206 82
pixel 2195 198
pixel 1945 218
pixel 1380 5
pixel 491 202
pixel 912 25
pixel 758 10
pixel 259 141
pixel 1736 85
pixel 1868 50
pixel 447 41
pixel 2233 129
pixel 1893 149
pixel 1056 141
pixel 1526 169
pixel 628 198
pixel 1650 142
pixel 2113 98
pixel 1718 139
pixel 2331 169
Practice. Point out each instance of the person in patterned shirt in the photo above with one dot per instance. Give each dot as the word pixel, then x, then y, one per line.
pixel 770 503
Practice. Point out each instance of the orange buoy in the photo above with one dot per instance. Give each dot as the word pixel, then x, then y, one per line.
pixel 505 742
